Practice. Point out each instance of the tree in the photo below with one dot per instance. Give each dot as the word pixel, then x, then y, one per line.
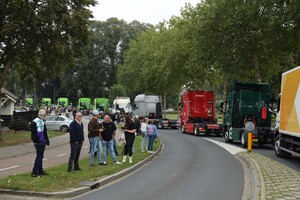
pixel 41 38
pixel 116 90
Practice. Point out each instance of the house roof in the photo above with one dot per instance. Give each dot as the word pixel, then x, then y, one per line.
pixel 8 93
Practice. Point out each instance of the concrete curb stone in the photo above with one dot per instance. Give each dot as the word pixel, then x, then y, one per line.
pixel 100 183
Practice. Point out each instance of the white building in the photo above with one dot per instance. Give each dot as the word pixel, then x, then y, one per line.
pixel 8 101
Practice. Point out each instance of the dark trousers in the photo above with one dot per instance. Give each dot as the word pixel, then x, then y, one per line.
pixel 74 156
pixel 129 137
pixel 38 163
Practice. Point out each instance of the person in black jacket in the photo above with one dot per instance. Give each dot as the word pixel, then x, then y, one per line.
pixel 39 137
pixel 76 141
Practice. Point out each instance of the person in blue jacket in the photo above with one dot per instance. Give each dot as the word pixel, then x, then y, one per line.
pixel 76 141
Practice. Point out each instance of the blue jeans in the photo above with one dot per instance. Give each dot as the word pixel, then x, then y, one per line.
pixel 144 142
pixel 109 145
pixel 151 141
pixel 95 144
pixel 38 163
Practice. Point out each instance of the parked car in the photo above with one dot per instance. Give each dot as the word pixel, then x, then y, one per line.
pixel 61 123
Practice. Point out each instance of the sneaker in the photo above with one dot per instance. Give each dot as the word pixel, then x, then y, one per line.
pixel 104 163
pixel 118 163
pixel 35 176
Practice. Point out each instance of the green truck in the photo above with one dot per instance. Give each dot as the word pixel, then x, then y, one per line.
pixel 62 102
pixel 101 104
pixel 248 104
pixel 84 105
pixel 46 101
pixel 29 101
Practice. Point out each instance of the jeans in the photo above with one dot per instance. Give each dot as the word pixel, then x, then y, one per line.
pixel 129 137
pixel 144 142
pixel 74 156
pixel 151 141
pixel 95 144
pixel 109 145
pixel 38 163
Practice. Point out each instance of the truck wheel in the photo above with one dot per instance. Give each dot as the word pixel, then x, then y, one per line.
pixel 244 139
pixel 195 130
pixel 226 136
pixel 160 125
pixel 182 128
pixel 278 151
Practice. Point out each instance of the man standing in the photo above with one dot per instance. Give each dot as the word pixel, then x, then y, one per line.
pixel 39 137
pixel 108 132
pixel 76 141
pixel 94 133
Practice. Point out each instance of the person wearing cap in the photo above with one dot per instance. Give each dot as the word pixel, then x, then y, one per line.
pixel 94 138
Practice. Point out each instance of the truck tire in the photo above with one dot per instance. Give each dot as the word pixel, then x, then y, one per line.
pixel 182 128
pixel 226 136
pixel 195 130
pixel 244 139
pixel 278 151
pixel 160 125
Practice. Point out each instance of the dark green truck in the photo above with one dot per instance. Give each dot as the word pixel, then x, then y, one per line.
pixel 248 103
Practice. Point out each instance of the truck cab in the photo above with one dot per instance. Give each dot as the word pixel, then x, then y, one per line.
pixel 122 104
pixel 101 104
pixel 245 103
pixel 198 114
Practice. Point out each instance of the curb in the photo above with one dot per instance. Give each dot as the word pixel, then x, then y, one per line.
pixel 97 184
pixel 252 178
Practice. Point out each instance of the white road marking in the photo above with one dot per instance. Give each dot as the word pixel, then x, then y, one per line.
pixel 232 149
pixel 43 160
pixel 8 168
pixel 63 154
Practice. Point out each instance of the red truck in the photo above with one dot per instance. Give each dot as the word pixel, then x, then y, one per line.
pixel 198 114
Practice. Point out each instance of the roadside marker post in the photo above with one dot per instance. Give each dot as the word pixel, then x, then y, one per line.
pixel 249 141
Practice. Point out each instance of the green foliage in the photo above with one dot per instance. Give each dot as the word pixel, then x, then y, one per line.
pixel 41 38
pixel 116 90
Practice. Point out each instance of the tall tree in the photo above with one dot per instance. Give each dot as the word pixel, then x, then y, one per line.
pixel 40 38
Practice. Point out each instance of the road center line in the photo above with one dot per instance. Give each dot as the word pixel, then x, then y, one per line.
pixel 63 154
pixel 8 168
pixel 232 149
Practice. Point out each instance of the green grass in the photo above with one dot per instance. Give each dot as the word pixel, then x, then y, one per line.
pixel 172 116
pixel 12 137
pixel 60 180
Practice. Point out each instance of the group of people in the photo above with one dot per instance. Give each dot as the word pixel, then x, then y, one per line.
pixel 101 137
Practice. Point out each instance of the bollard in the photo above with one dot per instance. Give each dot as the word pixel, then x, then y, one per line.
pixel 249 141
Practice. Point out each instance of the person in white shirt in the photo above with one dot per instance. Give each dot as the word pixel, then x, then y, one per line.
pixel 144 140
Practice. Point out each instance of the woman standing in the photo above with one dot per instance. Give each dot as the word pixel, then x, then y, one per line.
pixel 152 134
pixel 144 134
pixel 129 137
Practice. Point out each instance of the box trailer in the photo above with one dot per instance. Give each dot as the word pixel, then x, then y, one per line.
pixel 287 128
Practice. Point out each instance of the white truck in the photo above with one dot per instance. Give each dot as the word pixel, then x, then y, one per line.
pixel 287 128
pixel 150 106
pixel 122 104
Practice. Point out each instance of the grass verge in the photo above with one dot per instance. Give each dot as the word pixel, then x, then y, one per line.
pixel 61 180
pixel 12 137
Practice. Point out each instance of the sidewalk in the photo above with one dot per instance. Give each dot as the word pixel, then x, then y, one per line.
pixel 275 180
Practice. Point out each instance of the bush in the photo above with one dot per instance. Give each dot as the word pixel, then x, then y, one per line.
pixel 19 124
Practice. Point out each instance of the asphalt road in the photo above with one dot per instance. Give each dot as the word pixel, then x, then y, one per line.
pixel 188 168
pixel 268 151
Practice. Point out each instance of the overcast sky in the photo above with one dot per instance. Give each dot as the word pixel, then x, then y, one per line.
pixel 149 11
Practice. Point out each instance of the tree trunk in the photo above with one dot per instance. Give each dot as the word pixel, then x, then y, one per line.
pixel 257 71
pixel 165 105
pixel 225 77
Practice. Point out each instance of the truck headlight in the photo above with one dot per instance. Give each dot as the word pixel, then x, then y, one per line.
pixel 250 126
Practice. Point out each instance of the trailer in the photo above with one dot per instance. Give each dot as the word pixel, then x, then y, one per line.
pixel 245 103
pixel 150 106
pixel 198 113
pixel 287 128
